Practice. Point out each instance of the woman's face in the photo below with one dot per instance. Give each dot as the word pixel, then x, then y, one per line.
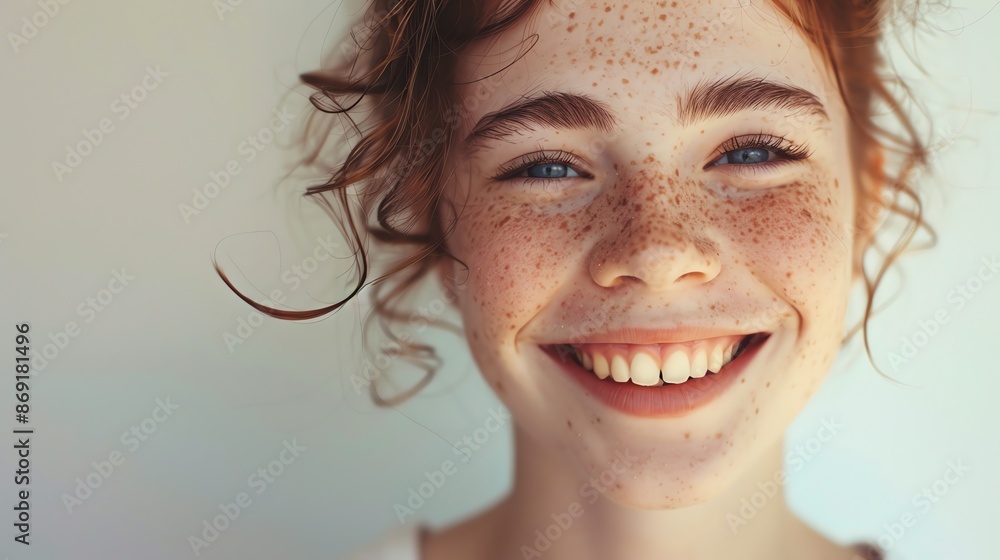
pixel 647 185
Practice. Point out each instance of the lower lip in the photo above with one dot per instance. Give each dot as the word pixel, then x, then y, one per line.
pixel 666 401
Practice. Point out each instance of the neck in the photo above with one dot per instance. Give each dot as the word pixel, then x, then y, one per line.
pixel 552 513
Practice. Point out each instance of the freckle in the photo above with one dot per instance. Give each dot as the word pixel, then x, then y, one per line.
pixel 687 435
pixel 718 435
pixel 768 385
pixel 572 15
pixel 607 8
pixel 656 70
pixel 569 424
pixel 624 80
pixel 743 380
pixel 594 84
pixel 571 28
pixel 696 53
pixel 663 17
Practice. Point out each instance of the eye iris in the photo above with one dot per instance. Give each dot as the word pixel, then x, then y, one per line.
pixel 548 171
pixel 748 155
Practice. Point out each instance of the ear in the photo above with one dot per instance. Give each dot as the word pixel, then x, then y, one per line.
pixel 869 207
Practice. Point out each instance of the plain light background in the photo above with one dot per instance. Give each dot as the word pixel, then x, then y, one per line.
pixel 63 237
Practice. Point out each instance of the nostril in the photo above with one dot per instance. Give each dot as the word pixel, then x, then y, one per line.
pixel 692 277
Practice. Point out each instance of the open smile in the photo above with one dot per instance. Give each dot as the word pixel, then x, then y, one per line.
pixel 657 380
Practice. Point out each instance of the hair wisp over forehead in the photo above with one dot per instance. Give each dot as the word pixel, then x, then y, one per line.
pixel 400 77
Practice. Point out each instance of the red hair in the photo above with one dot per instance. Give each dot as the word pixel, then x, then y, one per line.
pixel 401 71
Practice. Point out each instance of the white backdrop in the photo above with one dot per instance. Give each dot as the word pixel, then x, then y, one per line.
pixel 158 396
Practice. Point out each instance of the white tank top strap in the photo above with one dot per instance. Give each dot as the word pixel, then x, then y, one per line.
pixel 402 543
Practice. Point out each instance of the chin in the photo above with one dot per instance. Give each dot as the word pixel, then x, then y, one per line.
pixel 691 448
pixel 677 475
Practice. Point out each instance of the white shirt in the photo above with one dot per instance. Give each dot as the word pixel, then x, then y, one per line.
pixel 403 543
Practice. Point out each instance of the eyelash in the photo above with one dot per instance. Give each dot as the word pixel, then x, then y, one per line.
pixel 512 169
pixel 777 144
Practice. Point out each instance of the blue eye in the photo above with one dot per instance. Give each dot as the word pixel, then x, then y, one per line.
pixel 744 156
pixel 550 170
pixel 544 167
pixel 755 152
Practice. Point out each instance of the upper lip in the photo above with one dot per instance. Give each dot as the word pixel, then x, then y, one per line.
pixel 637 335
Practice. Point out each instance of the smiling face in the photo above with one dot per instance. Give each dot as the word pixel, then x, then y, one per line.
pixel 645 187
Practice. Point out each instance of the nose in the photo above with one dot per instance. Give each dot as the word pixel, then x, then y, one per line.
pixel 660 257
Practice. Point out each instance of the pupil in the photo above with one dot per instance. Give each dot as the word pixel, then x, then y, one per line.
pixel 749 155
pixel 547 171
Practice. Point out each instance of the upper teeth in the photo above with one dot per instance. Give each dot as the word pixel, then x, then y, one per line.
pixel 652 365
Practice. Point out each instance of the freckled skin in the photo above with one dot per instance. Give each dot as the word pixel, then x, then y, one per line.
pixel 653 240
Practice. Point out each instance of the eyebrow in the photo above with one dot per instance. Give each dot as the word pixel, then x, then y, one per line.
pixel 554 110
pixel 726 96
pixel 707 99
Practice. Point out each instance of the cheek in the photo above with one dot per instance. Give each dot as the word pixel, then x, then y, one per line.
pixel 792 237
pixel 793 240
pixel 515 258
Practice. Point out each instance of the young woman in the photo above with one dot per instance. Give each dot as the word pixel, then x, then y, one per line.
pixel 649 215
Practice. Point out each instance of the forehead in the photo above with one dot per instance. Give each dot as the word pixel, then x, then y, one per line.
pixel 640 54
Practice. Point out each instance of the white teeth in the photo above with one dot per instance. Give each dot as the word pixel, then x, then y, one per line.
pixel 699 363
pixel 677 368
pixel 682 364
pixel 645 371
pixel 619 369
pixel 601 366
pixel 715 360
